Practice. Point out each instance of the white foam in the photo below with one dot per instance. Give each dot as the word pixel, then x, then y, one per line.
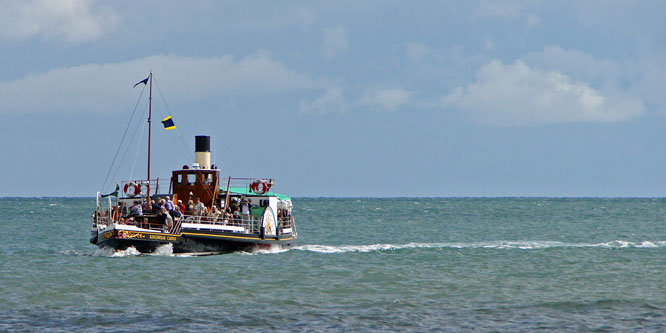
pixel 273 249
pixel 165 250
pixel 499 245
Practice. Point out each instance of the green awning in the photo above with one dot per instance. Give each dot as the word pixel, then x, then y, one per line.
pixel 246 191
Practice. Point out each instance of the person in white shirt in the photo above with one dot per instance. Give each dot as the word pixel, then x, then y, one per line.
pixel 245 209
pixel 199 207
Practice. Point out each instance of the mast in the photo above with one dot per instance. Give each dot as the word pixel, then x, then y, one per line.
pixel 150 113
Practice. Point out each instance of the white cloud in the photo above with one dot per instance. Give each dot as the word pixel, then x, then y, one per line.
pixel 75 21
pixel 578 65
pixel 332 101
pixel 416 51
pixel 533 20
pixel 108 87
pixel 519 95
pixel 335 41
pixel 389 99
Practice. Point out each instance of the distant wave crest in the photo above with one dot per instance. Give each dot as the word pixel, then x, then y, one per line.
pixel 521 245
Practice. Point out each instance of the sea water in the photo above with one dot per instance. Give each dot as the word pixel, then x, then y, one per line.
pixel 361 264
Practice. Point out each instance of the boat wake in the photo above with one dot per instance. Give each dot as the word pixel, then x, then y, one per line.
pixel 273 249
pixel 110 252
pixel 163 250
pixel 500 245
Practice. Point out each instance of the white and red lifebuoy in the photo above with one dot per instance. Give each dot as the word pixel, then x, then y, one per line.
pixel 132 189
pixel 260 186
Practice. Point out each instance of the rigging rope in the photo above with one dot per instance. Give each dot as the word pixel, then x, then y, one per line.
pixel 186 151
pixel 136 130
pixel 123 138
pixel 138 146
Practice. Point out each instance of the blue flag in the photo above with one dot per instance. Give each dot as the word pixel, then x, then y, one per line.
pixel 143 81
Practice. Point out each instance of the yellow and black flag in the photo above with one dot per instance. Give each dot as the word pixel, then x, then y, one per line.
pixel 168 123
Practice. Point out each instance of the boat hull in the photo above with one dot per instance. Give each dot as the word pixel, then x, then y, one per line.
pixel 195 241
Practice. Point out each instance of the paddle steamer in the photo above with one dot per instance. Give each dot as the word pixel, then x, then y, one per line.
pixel 219 215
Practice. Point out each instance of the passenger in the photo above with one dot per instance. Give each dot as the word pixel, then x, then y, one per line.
pixel 199 207
pixel 190 207
pixel 136 209
pixel 181 205
pixel 214 212
pixel 234 206
pixel 245 210
pixel 155 207
pixel 168 204
pixel 123 209
pixel 176 213
pixel 168 220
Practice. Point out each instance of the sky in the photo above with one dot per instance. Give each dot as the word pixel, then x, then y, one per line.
pixel 339 98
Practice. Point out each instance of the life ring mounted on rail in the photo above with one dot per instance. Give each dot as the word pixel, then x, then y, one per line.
pixel 260 186
pixel 132 189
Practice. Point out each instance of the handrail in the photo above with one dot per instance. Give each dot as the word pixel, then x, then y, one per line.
pixel 236 223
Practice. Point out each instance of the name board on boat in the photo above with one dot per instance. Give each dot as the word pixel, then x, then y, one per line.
pixel 163 237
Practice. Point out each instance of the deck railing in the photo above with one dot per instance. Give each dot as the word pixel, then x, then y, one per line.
pixel 247 225
pixel 250 225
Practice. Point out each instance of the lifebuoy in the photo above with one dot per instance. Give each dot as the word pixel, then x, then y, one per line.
pixel 259 186
pixel 132 189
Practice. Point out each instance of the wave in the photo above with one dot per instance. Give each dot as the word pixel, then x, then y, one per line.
pixel 501 245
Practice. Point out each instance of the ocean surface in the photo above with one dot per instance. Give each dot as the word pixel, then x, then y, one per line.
pixel 404 264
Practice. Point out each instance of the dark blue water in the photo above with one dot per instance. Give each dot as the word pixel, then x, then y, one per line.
pixel 415 264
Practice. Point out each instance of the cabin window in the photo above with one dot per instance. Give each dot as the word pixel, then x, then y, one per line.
pixel 191 179
pixel 179 179
pixel 209 179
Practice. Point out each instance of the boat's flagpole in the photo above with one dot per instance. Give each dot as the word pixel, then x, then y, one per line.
pixel 150 113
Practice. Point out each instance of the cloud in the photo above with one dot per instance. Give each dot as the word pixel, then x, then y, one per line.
pixel 332 101
pixel 75 21
pixel 579 66
pixel 334 42
pixel 533 20
pixel 519 95
pixel 416 51
pixel 108 87
pixel 389 99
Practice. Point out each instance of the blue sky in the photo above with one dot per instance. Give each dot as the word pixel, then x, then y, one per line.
pixel 341 98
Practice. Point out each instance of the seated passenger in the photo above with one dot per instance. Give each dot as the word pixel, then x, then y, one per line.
pixel 214 211
pixel 155 207
pixel 177 213
pixel 136 209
